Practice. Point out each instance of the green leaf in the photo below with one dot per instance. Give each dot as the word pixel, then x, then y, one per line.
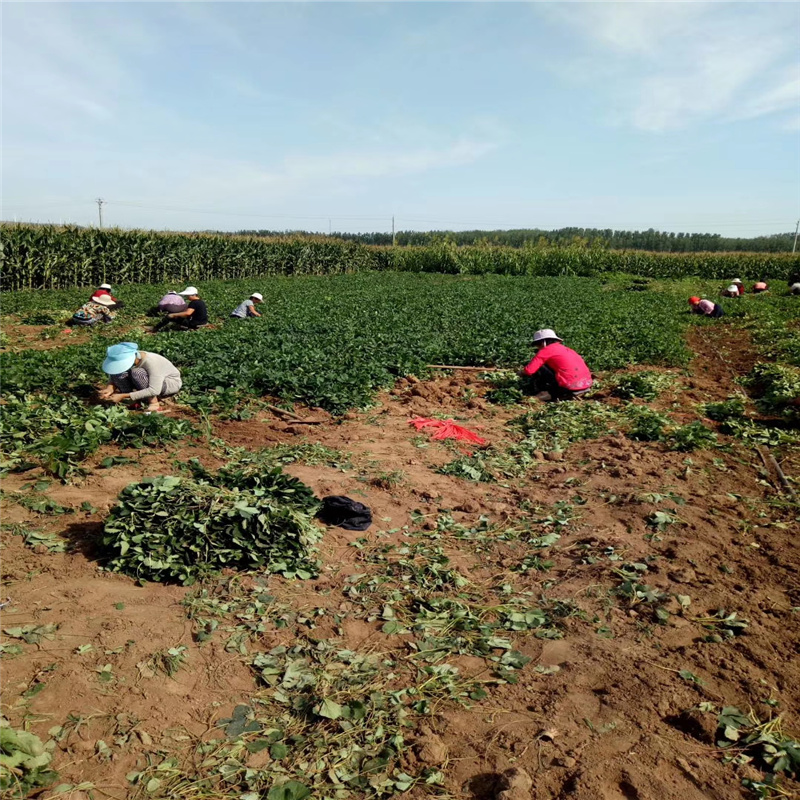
pixel 291 790
pixel 329 709
pixel 278 751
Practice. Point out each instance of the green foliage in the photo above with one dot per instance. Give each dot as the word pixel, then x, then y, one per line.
pixel 647 385
pixel 179 529
pixel 59 434
pixel 646 425
pixel 506 388
pixel 777 386
pixel 559 424
pixel 754 741
pixel 732 408
pixel 24 762
pixel 334 341
pixel 42 256
pixel 693 436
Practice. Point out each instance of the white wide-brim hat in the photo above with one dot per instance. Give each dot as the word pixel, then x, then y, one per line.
pixel 104 300
pixel 257 295
pixel 545 333
pixel 189 290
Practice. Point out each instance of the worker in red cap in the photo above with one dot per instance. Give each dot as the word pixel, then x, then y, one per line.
pixel 705 307
pixel 556 372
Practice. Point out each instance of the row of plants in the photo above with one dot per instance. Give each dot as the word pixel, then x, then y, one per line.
pixel 334 341
pixel 44 256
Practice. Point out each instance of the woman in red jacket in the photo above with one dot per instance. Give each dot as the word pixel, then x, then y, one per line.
pixel 556 372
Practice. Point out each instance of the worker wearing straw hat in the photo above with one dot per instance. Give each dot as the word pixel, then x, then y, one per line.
pixel 136 375
pixel 556 372
pixel 98 309
pixel 248 307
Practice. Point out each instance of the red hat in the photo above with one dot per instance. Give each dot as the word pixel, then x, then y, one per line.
pixel 694 300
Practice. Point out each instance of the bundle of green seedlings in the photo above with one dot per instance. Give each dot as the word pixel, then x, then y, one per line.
pixel 242 517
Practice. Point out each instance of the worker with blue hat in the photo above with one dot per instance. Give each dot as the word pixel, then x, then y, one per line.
pixel 136 375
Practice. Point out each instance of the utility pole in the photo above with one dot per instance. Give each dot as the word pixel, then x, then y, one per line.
pixel 100 202
pixel 394 240
pixel 329 227
pixel 796 228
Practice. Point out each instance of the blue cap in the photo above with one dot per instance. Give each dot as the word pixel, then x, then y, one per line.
pixel 120 357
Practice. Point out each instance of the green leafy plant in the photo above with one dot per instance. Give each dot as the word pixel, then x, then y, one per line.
pixel 168 661
pixel 777 387
pixel 179 529
pixel 646 425
pixel 647 385
pixel 732 408
pixel 24 762
pixel 693 436
pixel 764 744
pixel 723 625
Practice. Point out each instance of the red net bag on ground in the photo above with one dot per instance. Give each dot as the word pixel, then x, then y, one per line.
pixel 446 429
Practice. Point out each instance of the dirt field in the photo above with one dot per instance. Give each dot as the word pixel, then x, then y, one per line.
pixel 609 711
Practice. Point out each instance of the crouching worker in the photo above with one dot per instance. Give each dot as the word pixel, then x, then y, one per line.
pixel 248 307
pixel 556 372
pixel 98 309
pixel 732 291
pixel 135 375
pixel 171 303
pixel 705 307
pixel 194 316
pixel 104 290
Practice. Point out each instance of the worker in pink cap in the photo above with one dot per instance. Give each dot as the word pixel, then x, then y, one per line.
pixel 556 372
pixel 760 286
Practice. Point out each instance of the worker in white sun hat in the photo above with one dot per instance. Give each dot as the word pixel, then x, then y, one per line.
pixel 248 307
pixel 556 372
pixel 195 316
pixel 737 282
pixel 731 291
pixel 98 309
pixel 104 290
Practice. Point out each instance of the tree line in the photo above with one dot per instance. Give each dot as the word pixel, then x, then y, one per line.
pixel 652 240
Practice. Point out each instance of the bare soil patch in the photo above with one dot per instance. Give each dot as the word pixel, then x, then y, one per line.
pixel 599 714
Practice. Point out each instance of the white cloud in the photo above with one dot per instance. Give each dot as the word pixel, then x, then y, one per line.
pixel 671 64
pixel 782 95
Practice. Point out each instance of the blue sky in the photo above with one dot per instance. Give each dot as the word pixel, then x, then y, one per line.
pixel 194 115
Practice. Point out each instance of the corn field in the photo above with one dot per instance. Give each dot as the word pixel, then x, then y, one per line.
pixel 49 257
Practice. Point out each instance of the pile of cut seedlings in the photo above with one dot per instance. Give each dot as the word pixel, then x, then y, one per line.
pixel 181 529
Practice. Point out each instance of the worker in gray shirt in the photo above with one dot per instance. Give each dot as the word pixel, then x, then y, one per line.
pixel 248 307
pixel 136 375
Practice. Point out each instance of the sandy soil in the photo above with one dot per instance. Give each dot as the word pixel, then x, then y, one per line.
pixel 601 714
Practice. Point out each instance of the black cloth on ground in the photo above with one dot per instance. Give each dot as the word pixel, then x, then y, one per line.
pixel 344 513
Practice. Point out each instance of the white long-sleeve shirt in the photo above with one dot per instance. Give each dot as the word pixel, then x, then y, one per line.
pixel 164 379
